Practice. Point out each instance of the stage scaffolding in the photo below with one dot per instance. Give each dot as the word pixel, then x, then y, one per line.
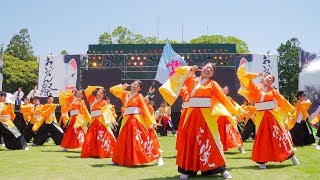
pixel 138 61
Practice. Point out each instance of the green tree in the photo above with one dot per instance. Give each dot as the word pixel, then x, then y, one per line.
pixel 288 67
pixel 139 39
pixel 151 40
pixel 19 73
pixel 123 35
pixel 242 46
pixel 20 46
pixel 105 38
pixel 165 41
pixel 64 52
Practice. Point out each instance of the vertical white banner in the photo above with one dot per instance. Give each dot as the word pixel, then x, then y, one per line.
pixel 55 74
pixel 267 63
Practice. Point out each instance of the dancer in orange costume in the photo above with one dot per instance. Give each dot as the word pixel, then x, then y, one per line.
pixel 77 126
pixel 229 134
pixel 36 116
pixel 48 124
pixel 65 98
pixel 302 133
pixel 26 110
pixel 199 147
pixel 99 140
pixel 152 131
pixel 134 145
pixel 12 137
pixel 272 142
pixel 248 117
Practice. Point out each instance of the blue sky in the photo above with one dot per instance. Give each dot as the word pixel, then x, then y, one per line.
pixel 73 24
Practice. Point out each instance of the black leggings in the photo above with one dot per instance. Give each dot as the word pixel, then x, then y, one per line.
pixel 248 130
pixel 43 133
pixel 10 141
pixel 28 133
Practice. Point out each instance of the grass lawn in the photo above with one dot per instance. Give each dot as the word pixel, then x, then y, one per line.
pixel 47 162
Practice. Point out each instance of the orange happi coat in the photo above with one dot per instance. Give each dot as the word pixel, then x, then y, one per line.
pixel 99 140
pixel 135 144
pixel 77 126
pixel 272 142
pixel 26 110
pixel 200 147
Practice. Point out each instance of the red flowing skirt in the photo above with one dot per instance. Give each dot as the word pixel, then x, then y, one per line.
pixel 197 149
pixel 73 138
pixel 135 145
pixel 229 136
pixel 179 136
pixel 98 142
pixel 154 137
pixel 271 144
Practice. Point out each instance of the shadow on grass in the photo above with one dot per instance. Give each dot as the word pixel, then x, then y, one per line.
pixel 11 150
pixel 231 153
pixel 128 167
pixel 217 176
pixel 169 157
pixel 43 145
pixel 239 158
pixel 256 167
pixel 73 157
pixel 173 177
pixel 61 151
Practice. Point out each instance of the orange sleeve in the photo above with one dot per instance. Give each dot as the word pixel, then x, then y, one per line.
pixel 232 101
pixel 248 89
pixel 307 104
pixel 48 109
pixel 88 93
pixel 23 109
pixel 218 93
pixel 145 111
pixel 84 111
pixel 283 104
pixel 11 111
pixel 151 109
pixel 117 90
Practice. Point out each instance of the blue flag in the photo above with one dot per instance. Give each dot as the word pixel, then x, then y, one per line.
pixel 168 63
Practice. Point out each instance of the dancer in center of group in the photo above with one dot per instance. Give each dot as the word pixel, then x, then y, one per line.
pixel 272 142
pixel 99 140
pixel 77 125
pixel 229 134
pixel 199 146
pixel 164 118
pixel 248 118
pixel 48 124
pixel 134 145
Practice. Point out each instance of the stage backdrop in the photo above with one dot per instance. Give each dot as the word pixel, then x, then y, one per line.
pixel 58 73
pixel 266 63
pixel 309 73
